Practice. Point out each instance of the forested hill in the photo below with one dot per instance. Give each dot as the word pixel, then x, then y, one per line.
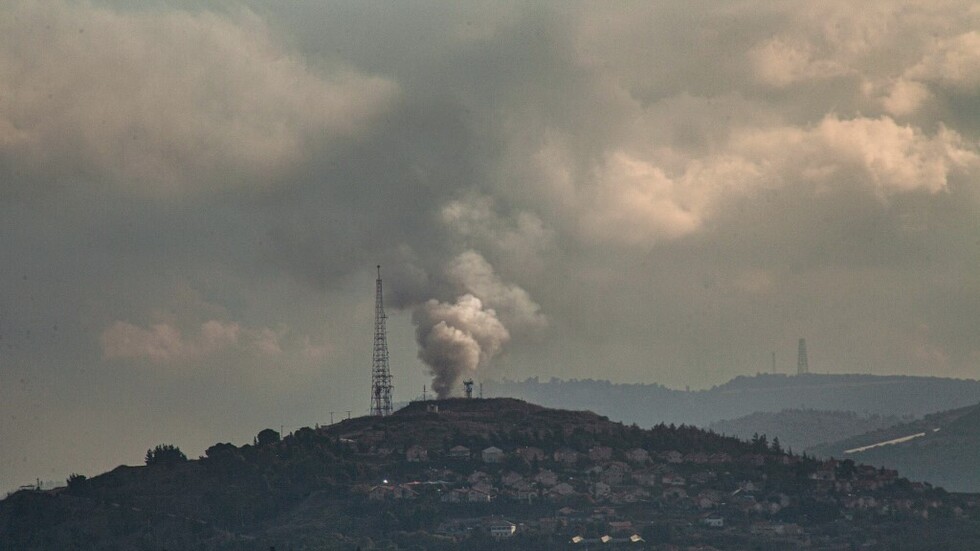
pixel 802 429
pixel 649 404
pixel 497 474
pixel 314 489
pixel 942 448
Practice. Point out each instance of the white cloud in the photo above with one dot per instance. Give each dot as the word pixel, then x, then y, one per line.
pixel 880 153
pixel 160 343
pixel 634 200
pixel 165 343
pixel 905 97
pixel 521 239
pixel 952 63
pixel 780 62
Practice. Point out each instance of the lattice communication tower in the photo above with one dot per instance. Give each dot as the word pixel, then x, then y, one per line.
pixel 380 374
pixel 802 367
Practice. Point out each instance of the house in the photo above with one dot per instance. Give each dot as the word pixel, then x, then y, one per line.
pixel 718 458
pixel 511 479
pixel 474 495
pixel 702 477
pixel 603 512
pixel 493 454
pixel 631 494
pixel 646 478
pixel 600 489
pixel 600 453
pixel 530 453
pixel 416 454
pixel 638 455
pixel 672 479
pixel 862 502
pixel 483 486
pixel 775 529
pixel 708 499
pixel 546 477
pixel 673 456
pixel 477 477
pixel 560 490
pixel 567 512
pixel 713 521
pixel 615 473
pixel 526 492
pixel 459 452
pixel 698 458
pixel 388 492
pixel 502 529
pixel 566 456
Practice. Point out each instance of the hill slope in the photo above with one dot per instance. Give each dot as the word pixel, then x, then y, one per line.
pixel 802 429
pixel 446 474
pixel 942 448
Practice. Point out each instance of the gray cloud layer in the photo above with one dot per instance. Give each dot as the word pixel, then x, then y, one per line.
pixel 193 201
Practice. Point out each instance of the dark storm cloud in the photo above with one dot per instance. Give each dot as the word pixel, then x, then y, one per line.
pixel 195 200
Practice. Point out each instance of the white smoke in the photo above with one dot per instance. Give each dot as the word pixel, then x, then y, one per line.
pixel 473 274
pixel 455 340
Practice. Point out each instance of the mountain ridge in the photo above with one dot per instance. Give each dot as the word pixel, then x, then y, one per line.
pixel 649 404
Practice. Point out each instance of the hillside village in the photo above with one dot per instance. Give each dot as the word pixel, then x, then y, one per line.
pixel 493 474
pixel 636 495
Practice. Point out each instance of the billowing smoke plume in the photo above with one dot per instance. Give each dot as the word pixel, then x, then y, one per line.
pixel 474 275
pixel 457 339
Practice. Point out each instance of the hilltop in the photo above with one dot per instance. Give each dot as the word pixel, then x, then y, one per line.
pixel 489 474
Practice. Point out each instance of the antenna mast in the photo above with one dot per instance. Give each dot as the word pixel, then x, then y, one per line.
pixel 802 368
pixel 380 374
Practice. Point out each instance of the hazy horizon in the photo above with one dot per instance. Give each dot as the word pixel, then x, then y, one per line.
pixel 195 196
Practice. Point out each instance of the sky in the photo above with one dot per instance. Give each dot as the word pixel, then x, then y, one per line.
pixel 194 197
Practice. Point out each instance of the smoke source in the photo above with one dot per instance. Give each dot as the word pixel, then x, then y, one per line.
pixel 456 339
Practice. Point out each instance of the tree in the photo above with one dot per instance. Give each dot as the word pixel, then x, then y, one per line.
pixel 267 437
pixel 165 454
pixel 75 480
pixel 219 451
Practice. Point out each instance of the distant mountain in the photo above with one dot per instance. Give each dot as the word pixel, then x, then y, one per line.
pixel 800 429
pixel 649 404
pixel 489 474
pixel 942 448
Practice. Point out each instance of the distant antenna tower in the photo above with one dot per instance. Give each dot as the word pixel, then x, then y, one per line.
pixel 468 387
pixel 802 367
pixel 380 374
